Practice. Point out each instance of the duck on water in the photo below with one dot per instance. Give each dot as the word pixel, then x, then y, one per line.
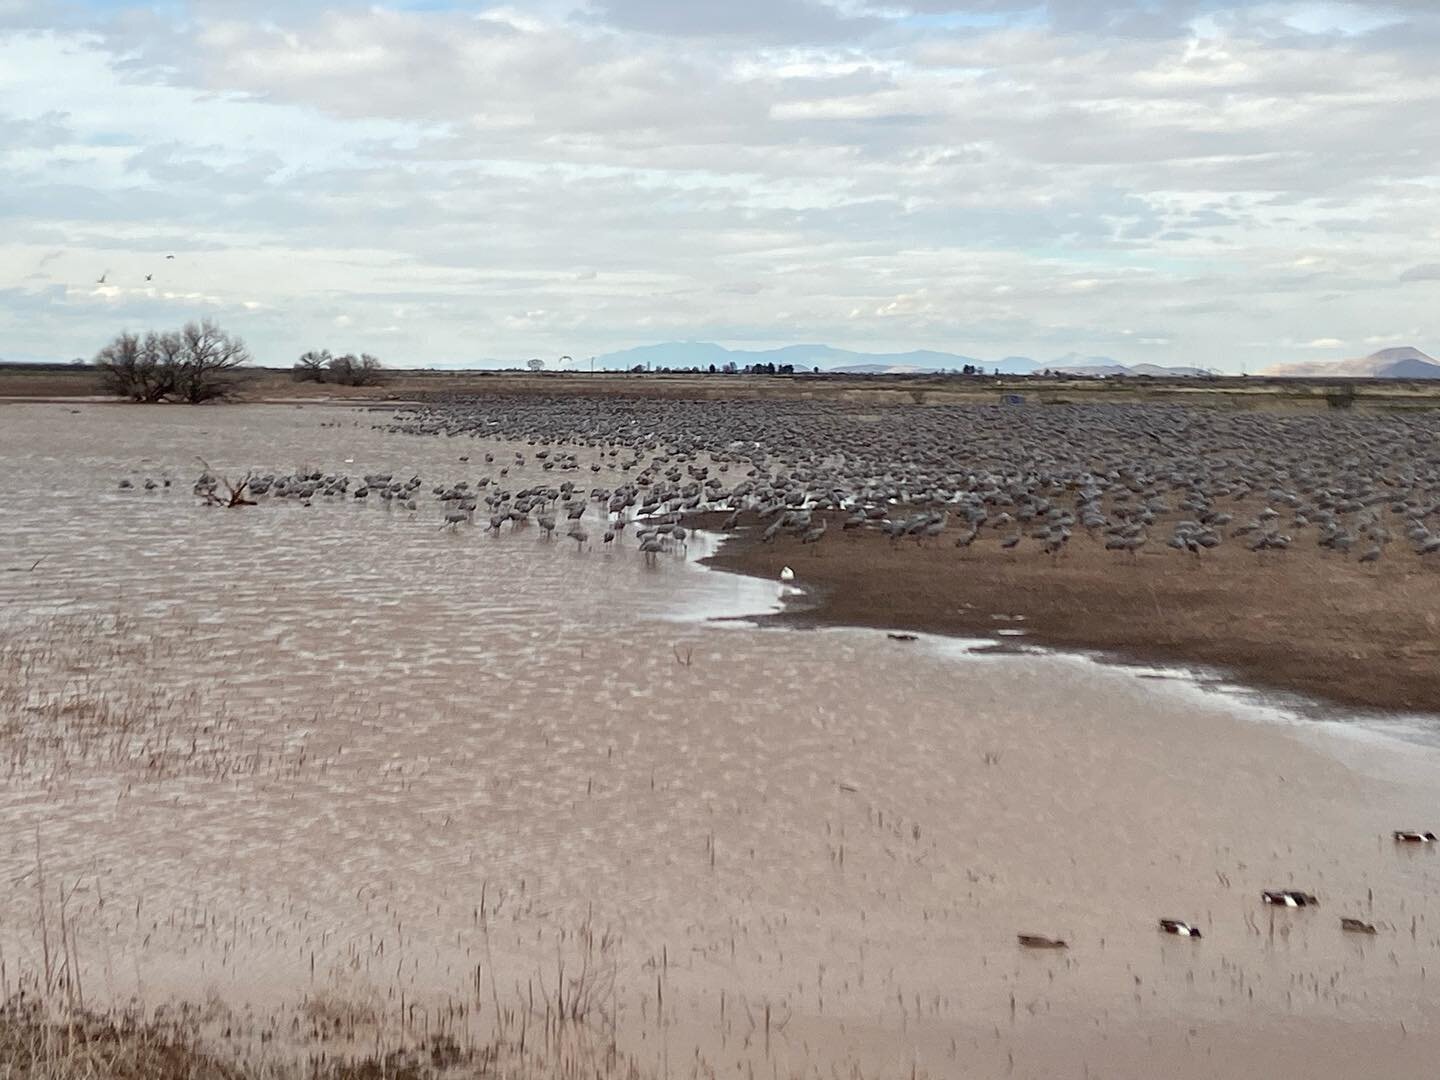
pixel 1289 898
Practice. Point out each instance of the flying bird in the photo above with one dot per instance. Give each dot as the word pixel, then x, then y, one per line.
pixel 169 256
pixel 101 279
pixel 149 276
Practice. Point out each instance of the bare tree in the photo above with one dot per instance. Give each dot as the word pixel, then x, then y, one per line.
pixel 207 354
pixel 189 364
pixel 311 366
pixel 535 364
pixel 368 372
pixel 119 365
pixel 142 369
pixel 352 370
pixel 340 368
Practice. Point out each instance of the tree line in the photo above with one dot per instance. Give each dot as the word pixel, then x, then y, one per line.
pixel 319 366
pixel 192 364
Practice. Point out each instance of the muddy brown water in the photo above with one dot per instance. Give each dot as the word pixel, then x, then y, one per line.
pixel 278 755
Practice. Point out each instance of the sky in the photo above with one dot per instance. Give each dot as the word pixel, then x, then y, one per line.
pixel 443 183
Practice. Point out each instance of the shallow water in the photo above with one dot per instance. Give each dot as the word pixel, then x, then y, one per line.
pixel 281 752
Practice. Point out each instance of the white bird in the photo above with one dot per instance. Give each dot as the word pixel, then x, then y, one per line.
pixel 786 574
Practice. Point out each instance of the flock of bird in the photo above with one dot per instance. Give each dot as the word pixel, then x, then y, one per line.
pixel 1278 898
pixel 657 528
pixel 1272 897
pixel 104 278
pixel 1132 478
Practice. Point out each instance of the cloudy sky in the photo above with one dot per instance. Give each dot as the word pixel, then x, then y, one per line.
pixel 1214 182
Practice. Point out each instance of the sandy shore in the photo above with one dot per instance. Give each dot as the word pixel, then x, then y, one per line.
pixel 1300 621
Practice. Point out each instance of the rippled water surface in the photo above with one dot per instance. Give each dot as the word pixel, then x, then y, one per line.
pixel 277 752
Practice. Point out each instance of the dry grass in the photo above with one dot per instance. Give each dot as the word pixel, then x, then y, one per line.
pixel 38 1045
pixel 551 1029
pixel 556 1029
pixel 79 691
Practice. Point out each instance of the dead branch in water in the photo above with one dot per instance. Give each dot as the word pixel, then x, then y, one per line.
pixel 237 493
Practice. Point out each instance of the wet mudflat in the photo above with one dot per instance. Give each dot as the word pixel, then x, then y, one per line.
pixel 1305 622
pixel 338 758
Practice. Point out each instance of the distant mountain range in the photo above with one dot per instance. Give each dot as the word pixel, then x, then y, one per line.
pixel 701 354
pixel 1403 362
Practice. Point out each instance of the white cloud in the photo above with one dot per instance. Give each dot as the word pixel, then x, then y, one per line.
pixel 564 176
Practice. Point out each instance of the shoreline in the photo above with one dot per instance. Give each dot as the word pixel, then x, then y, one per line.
pixel 1334 633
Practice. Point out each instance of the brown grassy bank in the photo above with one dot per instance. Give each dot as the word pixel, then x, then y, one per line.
pixel 1299 620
